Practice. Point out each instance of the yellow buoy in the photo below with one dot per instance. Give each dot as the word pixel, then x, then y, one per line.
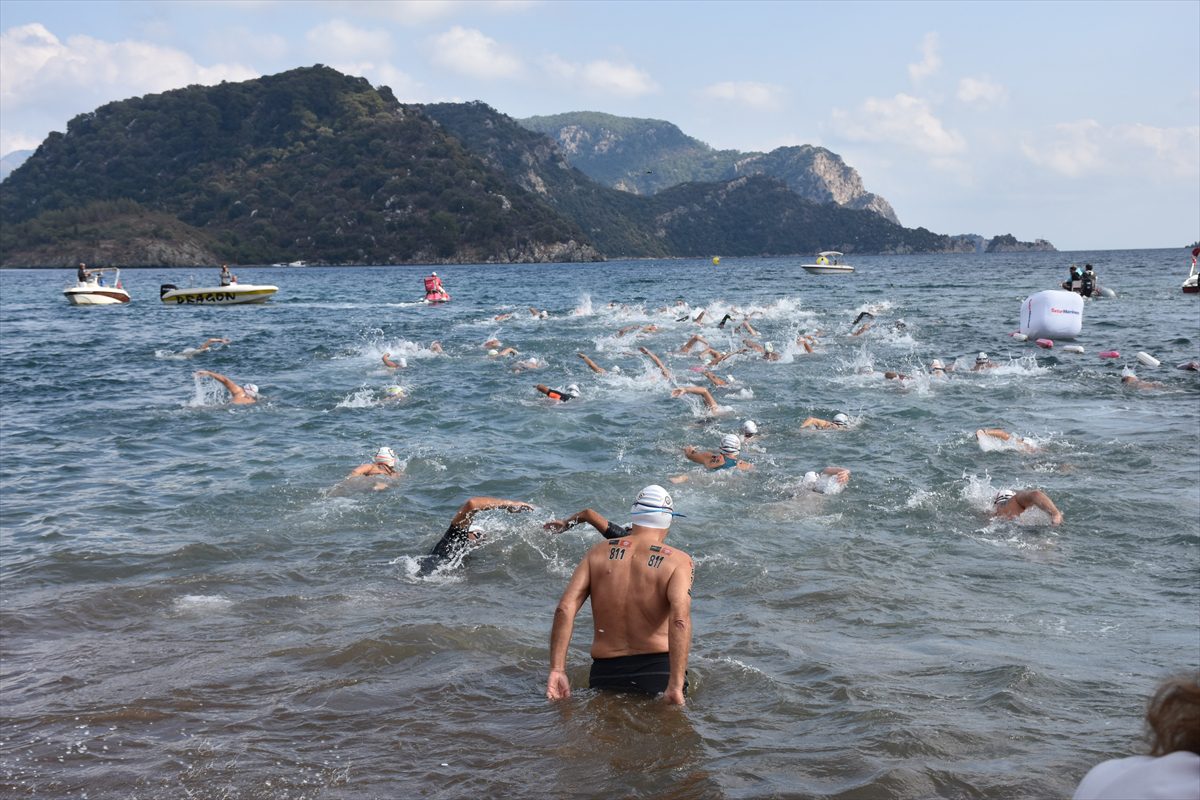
pixel 716 260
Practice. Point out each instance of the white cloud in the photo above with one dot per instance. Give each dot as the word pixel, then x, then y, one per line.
pixel 601 76
pixel 470 52
pixel 759 96
pixel 981 92
pixel 930 62
pixel 903 120
pixel 1085 147
pixel 420 12
pixel 338 39
pixel 45 81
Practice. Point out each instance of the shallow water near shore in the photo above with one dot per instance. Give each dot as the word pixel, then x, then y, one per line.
pixel 193 605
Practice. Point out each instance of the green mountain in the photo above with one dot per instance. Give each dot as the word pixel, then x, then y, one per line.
pixel 308 164
pixel 645 156
pixel 315 165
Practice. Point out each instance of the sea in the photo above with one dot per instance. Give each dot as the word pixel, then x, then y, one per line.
pixel 195 602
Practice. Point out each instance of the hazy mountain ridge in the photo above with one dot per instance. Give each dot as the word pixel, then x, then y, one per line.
pixel 645 156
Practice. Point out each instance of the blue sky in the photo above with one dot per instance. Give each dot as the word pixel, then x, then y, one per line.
pixel 1078 122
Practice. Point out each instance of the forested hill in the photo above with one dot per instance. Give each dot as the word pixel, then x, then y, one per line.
pixel 307 164
pixel 315 165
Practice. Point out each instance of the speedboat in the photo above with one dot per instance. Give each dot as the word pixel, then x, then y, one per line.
pixel 829 262
pixel 1191 284
pixel 235 294
pixel 102 288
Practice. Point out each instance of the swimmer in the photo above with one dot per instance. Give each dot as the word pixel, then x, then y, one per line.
pixel 701 392
pixel 724 319
pixel 860 316
pixel 592 365
pixel 508 351
pixel 716 357
pixel 658 362
pixel 243 395
pixel 382 466
pixel 982 362
pixel 393 393
pixel 528 364
pixel 747 327
pixel 839 422
pixel 725 458
pixel 696 338
pixel 628 328
pixel 892 375
pixel 866 326
pixel 749 430
pixel 1137 383
pixel 640 593
pixel 767 350
pixel 459 538
pixel 435 346
pixel 1008 504
pixel 207 345
pixel 387 362
pixel 538 313
pixel 807 342
pixel 560 394
pixel 1192 365
pixel 502 317
pixel 1005 436
pixel 937 369
pixel 714 379
pixel 813 481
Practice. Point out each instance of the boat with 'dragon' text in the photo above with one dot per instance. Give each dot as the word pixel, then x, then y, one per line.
pixel 233 294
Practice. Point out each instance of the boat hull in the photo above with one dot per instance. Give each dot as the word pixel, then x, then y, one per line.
pixel 236 295
pixel 105 296
pixel 827 269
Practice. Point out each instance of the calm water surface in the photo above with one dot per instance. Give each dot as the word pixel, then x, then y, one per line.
pixel 193 607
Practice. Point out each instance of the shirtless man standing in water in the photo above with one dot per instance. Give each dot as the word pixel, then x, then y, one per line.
pixel 641 604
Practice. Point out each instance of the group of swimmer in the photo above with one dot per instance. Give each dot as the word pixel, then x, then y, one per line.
pixel 638 586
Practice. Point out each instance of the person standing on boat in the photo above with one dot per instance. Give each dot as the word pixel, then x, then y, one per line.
pixel 1087 281
pixel 82 274
pixel 244 395
pixel 226 276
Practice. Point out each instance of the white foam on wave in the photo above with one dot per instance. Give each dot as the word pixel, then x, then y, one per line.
pixel 583 308
pixel 360 398
pixel 201 604
pixel 921 498
pixel 206 392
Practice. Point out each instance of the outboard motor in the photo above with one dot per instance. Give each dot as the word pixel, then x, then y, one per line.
pixel 166 287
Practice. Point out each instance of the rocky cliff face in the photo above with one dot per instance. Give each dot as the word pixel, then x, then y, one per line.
pixel 1007 243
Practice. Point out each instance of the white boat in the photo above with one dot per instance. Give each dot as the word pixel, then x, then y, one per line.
pixel 829 262
pixel 235 294
pixel 103 288
pixel 1191 284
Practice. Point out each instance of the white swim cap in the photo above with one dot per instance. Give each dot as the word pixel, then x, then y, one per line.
pixel 770 348
pixel 840 419
pixel 749 428
pixel 402 361
pixel 433 275
pixel 731 445
pixel 936 364
pixel 810 478
pixel 1003 496
pixel 653 508
pixel 573 389
pixel 493 352
pixel 250 389
pixel 385 455
pixel 394 391
pixel 981 358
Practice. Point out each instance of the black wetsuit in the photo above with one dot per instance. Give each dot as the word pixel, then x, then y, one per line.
pixel 1087 284
pixel 454 544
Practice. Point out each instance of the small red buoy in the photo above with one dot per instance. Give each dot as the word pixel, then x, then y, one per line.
pixel 1046 343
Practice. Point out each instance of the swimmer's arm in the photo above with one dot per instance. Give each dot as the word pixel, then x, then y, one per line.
pixel 233 388
pixel 679 631
pixel 841 474
pixel 658 362
pixel 387 361
pixel 473 506
pixel 1038 498
pixel 558 686
pixel 704 394
pixel 592 365
pixel 814 422
pixel 702 457
pixel 360 470
pixel 586 515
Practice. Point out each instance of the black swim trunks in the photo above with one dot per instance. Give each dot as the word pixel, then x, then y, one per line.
pixel 647 673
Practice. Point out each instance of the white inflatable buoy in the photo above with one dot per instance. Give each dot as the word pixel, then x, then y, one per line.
pixel 1104 291
pixel 1052 314
pixel 1072 348
pixel 1147 359
pixel 1020 337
